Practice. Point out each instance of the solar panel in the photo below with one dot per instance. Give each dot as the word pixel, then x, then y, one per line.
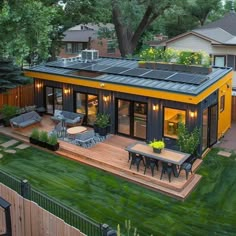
pixel 188 78
pixel 136 72
pixel 115 69
pixel 158 74
pixel 95 67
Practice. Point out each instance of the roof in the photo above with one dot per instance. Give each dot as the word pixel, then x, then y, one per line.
pixel 216 34
pixel 92 26
pixel 226 23
pixel 126 72
pixel 79 35
pixel 222 31
pixel 82 32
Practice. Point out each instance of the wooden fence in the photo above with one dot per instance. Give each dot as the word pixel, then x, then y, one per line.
pixel 28 219
pixel 21 96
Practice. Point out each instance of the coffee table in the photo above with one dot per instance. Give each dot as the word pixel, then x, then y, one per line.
pixel 76 130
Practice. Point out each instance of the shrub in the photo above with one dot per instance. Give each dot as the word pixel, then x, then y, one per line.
pixel 188 141
pixel 35 134
pixel 102 120
pixel 43 136
pixel 52 139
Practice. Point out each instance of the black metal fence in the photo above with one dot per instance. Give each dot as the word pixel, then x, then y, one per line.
pixel 82 222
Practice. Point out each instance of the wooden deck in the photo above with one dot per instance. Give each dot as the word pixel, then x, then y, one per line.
pixel 110 156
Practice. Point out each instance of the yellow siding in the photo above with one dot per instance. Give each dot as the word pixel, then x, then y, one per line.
pixel 131 89
pixel 224 121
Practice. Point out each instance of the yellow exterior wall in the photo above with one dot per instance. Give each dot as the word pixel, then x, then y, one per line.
pixel 131 89
pixel 224 117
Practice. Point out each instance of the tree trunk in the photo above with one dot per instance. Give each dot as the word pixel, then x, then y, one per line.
pixel 123 35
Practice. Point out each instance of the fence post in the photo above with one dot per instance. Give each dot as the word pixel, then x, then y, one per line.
pixel 108 231
pixel 25 189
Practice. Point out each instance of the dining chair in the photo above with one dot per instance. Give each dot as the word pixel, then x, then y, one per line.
pixel 187 166
pixel 166 168
pixel 135 160
pixel 150 163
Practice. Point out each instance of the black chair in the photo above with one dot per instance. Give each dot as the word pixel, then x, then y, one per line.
pixel 166 168
pixel 150 163
pixel 187 166
pixel 135 160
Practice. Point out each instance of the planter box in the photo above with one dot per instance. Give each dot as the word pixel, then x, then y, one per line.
pixel 54 147
pixel 176 67
pixel 33 141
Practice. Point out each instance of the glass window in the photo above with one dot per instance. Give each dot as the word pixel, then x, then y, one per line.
pixel 111 46
pixel 80 103
pixel 171 119
pixel 69 47
pixel 222 103
pixel 219 61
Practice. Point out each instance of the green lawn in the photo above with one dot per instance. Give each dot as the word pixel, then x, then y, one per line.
pixel 210 209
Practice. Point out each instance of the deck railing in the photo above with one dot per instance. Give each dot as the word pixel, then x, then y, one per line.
pixel 74 218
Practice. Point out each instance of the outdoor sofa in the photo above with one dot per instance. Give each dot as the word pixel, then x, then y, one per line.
pixel 70 118
pixel 25 119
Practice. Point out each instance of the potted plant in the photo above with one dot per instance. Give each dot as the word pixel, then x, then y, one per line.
pixel 43 138
pixel 103 123
pixel 34 137
pixel 52 143
pixel 8 112
pixel 157 145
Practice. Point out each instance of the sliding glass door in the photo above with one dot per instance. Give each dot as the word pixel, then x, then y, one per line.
pixel 131 118
pixel 87 104
pixel 54 99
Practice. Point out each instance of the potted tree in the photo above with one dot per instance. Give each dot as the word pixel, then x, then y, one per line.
pixel 102 123
pixel 188 141
pixel 52 143
pixel 157 145
pixel 34 137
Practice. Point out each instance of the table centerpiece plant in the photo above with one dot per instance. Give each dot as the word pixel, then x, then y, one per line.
pixel 157 145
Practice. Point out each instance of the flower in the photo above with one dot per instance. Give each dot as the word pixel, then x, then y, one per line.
pixel 157 144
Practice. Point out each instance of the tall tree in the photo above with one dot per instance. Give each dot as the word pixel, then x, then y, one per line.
pixel 131 18
pixel 202 8
pixel 25 27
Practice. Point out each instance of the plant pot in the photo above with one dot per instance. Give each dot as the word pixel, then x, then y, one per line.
pixel 156 150
pixel 102 131
pixel 53 147
pixel 96 128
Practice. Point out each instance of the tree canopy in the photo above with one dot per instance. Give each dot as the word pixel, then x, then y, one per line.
pixel 25 29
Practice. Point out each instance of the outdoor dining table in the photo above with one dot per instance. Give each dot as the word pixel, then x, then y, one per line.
pixel 167 155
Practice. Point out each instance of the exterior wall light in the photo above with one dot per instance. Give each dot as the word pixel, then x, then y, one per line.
pixel 66 91
pixel 39 85
pixel 106 98
pixel 192 114
pixel 155 107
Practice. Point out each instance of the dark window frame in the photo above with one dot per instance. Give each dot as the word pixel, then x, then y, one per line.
pixel 220 56
pixel 222 103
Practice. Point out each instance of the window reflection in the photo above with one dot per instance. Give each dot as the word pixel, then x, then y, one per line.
pixel 171 119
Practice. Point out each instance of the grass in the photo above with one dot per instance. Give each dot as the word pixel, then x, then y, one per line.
pixel 210 209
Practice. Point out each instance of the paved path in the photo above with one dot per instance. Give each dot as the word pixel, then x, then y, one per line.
pixel 23 146
pixel 228 142
pixel 9 143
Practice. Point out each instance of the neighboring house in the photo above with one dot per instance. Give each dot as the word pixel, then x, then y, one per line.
pixel 143 103
pixel 218 39
pixel 83 37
